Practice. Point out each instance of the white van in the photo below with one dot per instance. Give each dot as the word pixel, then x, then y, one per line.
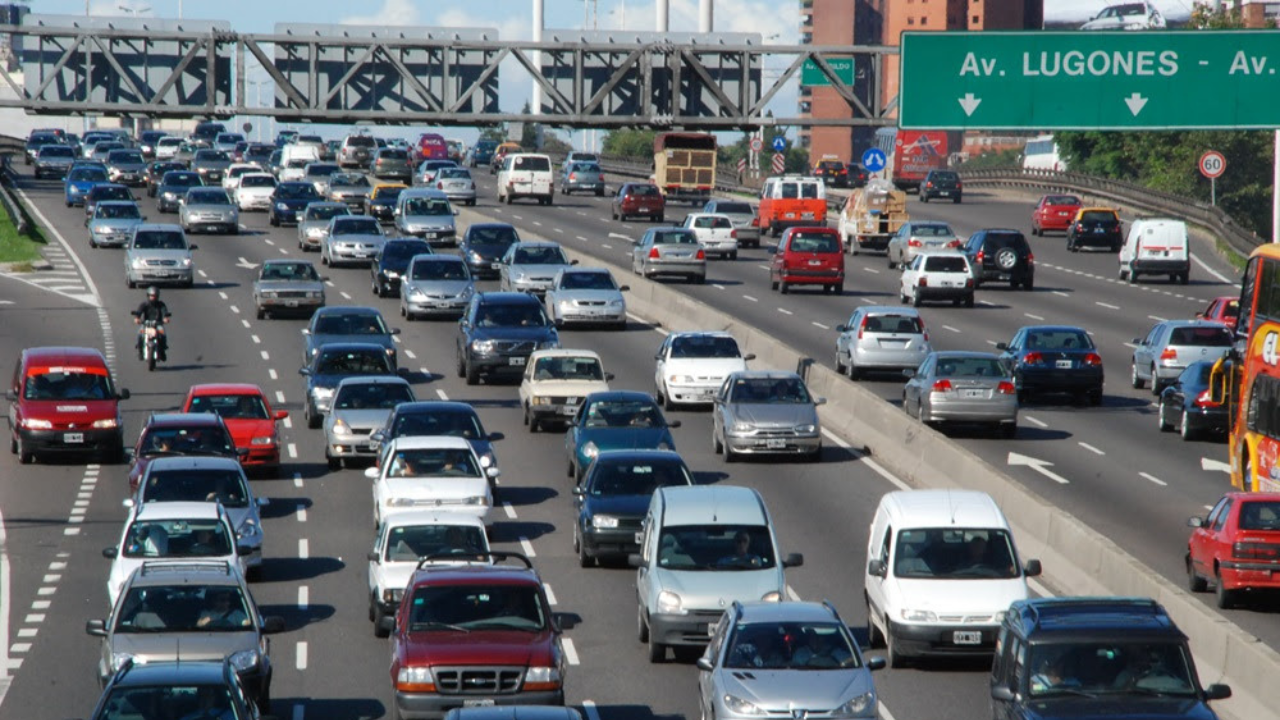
pixel 294 160
pixel 1156 246
pixel 941 572
pixel 702 548
pixel 525 175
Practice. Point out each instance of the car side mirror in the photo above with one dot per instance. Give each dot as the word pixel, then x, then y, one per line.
pixel 579 491
pixel 842 328
pixel 1195 522
pixel 492 472
pixel 633 559
pixel 1002 346
pixel 395 331
pixel 193 246
pixel 496 436
pixel 281 414
pixel 123 394
pixel 371 556
pixel 793 560
pixel 820 401
pixel 876 663
pixel 674 424
pixel 1217 691
pixel 324 278
pixel 86 222
pixel 127 502
pixel 748 357
pixel 609 376
pixel 97 628
pixel 1032 568
pixel 10 395
pixel 272 624
pixel 371 472
pixel 573 262
pixel 877 568
pixel 243 550
pixel 624 288
pixel 705 665
pixel 304 371
pixel 110 553
pixel 306 331
pixel 564 621
pixel 1139 341
pixel 263 502
pixel 909 372
pixel 1003 693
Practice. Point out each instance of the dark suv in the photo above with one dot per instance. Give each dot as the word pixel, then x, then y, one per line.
pixel 499 331
pixel 833 173
pixel 1095 657
pixel 941 184
pixel 1003 255
pixel 1092 227
pixel 177 434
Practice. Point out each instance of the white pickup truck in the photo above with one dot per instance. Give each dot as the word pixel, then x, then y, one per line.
pixel 715 232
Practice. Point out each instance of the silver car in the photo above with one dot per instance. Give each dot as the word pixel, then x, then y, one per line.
pixel 586 296
pixel 351 240
pixel 288 287
pixel 313 223
pixel 54 161
pixel 349 188
pixel 962 387
pixel 743 216
pixel 360 406
pixel 531 265
pixel 435 285
pixel 211 164
pixel 113 222
pixel 457 184
pixel 785 660
pixel 426 213
pixel 914 237
pixel 1170 346
pixel 766 412
pixel 209 209
pixel 670 251
pixel 582 177
pixel 319 174
pixel 158 254
pixel 881 337
pixel 127 167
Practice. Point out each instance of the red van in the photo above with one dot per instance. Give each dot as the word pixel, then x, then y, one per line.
pixel 431 147
pixel 63 400
pixel 808 256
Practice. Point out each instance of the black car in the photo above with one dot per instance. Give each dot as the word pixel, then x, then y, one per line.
pixel 1054 359
pixel 1003 255
pixel 833 173
pixel 170 434
pixel 483 246
pixel 331 365
pixel 857 174
pixel 290 199
pixel 943 184
pixel 1186 404
pixel 1095 227
pixel 619 484
pixel 498 332
pixel 1094 657
pixel 105 191
pixel 440 418
pixel 203 688
pixel 155 173
pixel 391 262
pixel 381 202
pixel 173 187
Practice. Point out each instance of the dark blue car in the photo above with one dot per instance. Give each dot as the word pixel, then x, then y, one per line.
pixel 1047 359
pixel 333 363
pixel 1186 404
pixel 80 180
pixel 614 496
pixel 615 420
pixel 289 199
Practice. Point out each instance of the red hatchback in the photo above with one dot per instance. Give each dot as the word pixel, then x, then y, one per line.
pixel 1237 547
pixel 639 199
pixel 1224 310
pixel 808 256
pixel 1054 212
pixel 248 415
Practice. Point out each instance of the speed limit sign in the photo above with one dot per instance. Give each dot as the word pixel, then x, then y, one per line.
pixel 756 145
pixel 1212 164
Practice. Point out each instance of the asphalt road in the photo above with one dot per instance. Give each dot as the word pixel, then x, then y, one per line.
pixel 319 523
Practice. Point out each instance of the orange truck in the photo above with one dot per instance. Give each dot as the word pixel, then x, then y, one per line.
pixel 792 201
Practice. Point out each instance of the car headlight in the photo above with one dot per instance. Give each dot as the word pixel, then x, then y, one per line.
pixel 664 445
pixel 742 427
pixel 392 274
pixel 544 675
pixel 416 294
pixel 863 705
pixel 322 393
pixel 106 423
pixel 668 602
pixel 168 195
pixel 282 207
pixel 101 230
pixel 1000 616
pixel 482 346
pixel 604 521
pixel 340 428
pixel 774 596
pixel 541 400
pixel 807 429
pixel 414 676
pixel 263 440
pixel 186 262
pixel 549 345
pixel 315 232
pixel 474 256
pixel 400 502
pixel 391 351
pixel 615 302
pixel 315 294
pixel 742 707
pixel 34 424
pixel 138 263
pixel 119 659
pixel 477 500
pixel 680 379
pixel 919 615
pixel 248 529
pixel 392 595
pixel 518 276
pixel 590 450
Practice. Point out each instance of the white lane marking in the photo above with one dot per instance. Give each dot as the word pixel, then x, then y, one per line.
pixel 655 328
pixel 266 355
pixel 345 296
pixel 511 511
pixel 256 340
pixel 785 311
pixel 1108 306
pixel 410 354
pixel 1091 448
pixel 570 652
pixel 304 597
pixel 5 608
pixel 948 327
pixel 1033 317
pixel 1156 318
pixel 27 632
pixel 40 604
pixel 297 479
pixel 1211 271
pixel 46 591
pixel 986 302
pixel 792 595
pixel 592 714
pixel 293 454
pixel 817 324
pixel 201 273
pixel 234 309
pixel 1035 422
pixel 1060 293
pixel 748 297
pixel 302 513
pixel 304 548
pixel 579 237
pixel 1130 345
pixel 606 246
pixel 284 251
pixel 551 596
pixel 859 455
pixel 537 223
pixel 873 271
pixel 442 394
pixel 222 295
pixel 272 373
pixel 57 566
pixel 396 339
pixel 717 286
pixel 269 241
pixel 280 397
pixel 17 648
pixel 1153 479
pixel 527 547
pixel 245 323
pixel 52 578
pixel 302 654
pixel 763 267
pixel 34 618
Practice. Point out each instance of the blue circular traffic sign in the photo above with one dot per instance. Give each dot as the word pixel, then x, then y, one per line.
pixel 779 143
pixel 874 160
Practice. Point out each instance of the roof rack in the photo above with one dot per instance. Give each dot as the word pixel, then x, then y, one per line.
pixel 1057 607
pixel 494 555
pixel 153 567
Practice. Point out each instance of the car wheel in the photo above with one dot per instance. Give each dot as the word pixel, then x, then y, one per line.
pixel 1225 598
pixel 874 638
pixel 1137 382
pixel 1035 231
pixel 1195 583
pixel 729 455
pixel 915 299
pixel 1155 381
pixel 334 463
pixel 460 367
pixel 657 651
pixel 716 446
pixel 378 617
pixel 783 287
pixel 584 560
pixel 924 198
pixel 894 658
pixel 312 417
pixel 1133 277
pixel 1184 427
pixel 840 367
pixel 642 628
pixel 1095 397
pixel 892 265
pixel 570 471
pixel 1163 424
pixel 1184 278
pixel 535 425
pixel 854 372
pixel 25 456
pixel 968 301
pixel 264 697
pixel 473 374
pixel 665 398
pixel 1008 431
pixel 262 314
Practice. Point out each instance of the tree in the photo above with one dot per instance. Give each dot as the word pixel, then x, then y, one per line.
pixel 630 143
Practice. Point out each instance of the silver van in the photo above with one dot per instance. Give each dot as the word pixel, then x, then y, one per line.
pixel 703 548
pixel 426 213
pixel 881 337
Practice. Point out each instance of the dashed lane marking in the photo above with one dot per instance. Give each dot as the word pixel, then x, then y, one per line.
pixel 785 311
pixel 792 595
pixel 1154 479
pixel 748 297
pixel 862 457
pixel 527 547
pixel 442 394
pixel 271 372
pixel 293 452
pixel 410 354
pixel 952 329
pixel 303 597
pixel 302 654
pixel 551 596
pixel 222 295
pixel 1035 421
pixel 817 324
pixel 1108 306
pixel 570 652
pixel 304 549
pixel 297 479
pixel 511 511
pixel 1091 448
pixel 1034 317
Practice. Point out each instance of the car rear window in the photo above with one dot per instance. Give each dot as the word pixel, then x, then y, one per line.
pixel 893 324
pixel 969 367
pixel 394 154
pixel 1059 340
pixel 734 208
pixel 815 242
pixel 674 238
pixel 1201 336
pixel 1061 200
pixel 1004 239
pixel 643 190
pixel 1098 216
pixel 946 264
pixel 363 141
pixel 945 177
pixel 935 230
pixel 803 191
pixel 362 362
pixel 1260 515
pixel 531 164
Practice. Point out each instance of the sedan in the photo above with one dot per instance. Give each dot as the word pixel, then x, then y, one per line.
pixel 349 188
pixel 381 202
pixel 914 237
pixel 483 246
pixel 347 323
pixel 158 254
pixel 582 177
pixel 554 383
pixel 438 418
pixel 690 367
pixel 211 164
pixel 127 167
pixel 288 287
pixel 615 420
pixel 613 497
pixel 155 174
pixel 1054 359
pixel 1187 404
pixel 435 285
pixel 351 240
pixel 743 216
pixel 82 178
pixel 457 184
pixel 587 296
pixel 1054 212
pixel 1223 310
pixel 288 201
pixel 391 163
pixel 1171 346
pixel 360 406
pixel 962 387
pixel 248 415
pixel 531 266
pixel 313 223
pixel 766 412
pixel 1234 547
pixel 113 222
pixel 670 251
pixel 209 209
pixel 335 361
pixel 255 191
pixel 173 187
pixel 54 161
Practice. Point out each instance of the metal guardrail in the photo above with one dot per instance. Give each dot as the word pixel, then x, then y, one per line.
pixel 10 146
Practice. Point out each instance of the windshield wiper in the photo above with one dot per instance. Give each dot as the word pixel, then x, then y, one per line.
pixel 1064 691
pixel 433 625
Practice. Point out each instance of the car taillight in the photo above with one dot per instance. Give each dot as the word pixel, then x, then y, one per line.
pixel 1256 551
pixel 968 283
pixel 755 221
pixel 1032 358
pixel 733 234
pixel 924 282
pixel 1169 354
pixel 1093 359
pixel 1006 388
pixel 1079 227
pixel 978 258
pixel 959 184
pixel 653 254
pixel 702 254
pixel 1031 259
pixel 573 176
pixel 1205 399
pixel 953 244
pixel 914 243
pixel 862 326
pixel 440 185
pixel 929 184
pixel 942 386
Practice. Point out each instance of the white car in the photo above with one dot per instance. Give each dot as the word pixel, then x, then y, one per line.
pixel 403 541
pixel 586 296
pixel 691 367
pixel 231 178
pixel 944 275
pixel 171 531
pixel 716 233
pixel 1126 16
pixel 437 472
pixel 556 381
pixel 255 190
pixel 167 147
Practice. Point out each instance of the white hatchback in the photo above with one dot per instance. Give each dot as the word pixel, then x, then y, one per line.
pixel 171 531
pixel 441 473
pixel 944 275
pixel 691 366
pixel 254 191
pixel 716 233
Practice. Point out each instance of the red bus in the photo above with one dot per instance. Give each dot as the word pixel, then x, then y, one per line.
pixel 431 147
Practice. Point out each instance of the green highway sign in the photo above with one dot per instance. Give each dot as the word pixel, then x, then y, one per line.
pixel 811 74
pixel 1148 80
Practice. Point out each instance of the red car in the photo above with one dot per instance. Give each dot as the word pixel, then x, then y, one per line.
pixel 808 256
pixel 638 199
pixel 1054 212
pixel 1225 310
pixel 248 415
pixel 474 635
pixel 1237 547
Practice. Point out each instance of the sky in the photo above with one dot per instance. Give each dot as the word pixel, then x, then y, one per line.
pixel 777 20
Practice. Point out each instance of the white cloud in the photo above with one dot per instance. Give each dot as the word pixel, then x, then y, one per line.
pixel 392 13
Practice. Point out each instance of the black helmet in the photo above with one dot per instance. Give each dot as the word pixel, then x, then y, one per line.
pixel 153 292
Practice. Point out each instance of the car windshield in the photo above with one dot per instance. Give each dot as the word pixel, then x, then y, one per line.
pixel 969 367
pixel 431 207
pixel 349 180
pixel 87 175
pixel 182 179
pixel 433 462
pixel 1059 340
pixel 237 407
pixel 110 192
pixel 387 194
pixel 52 151
pixel 125 157
pixel 613 478
pixel 66 383
pixel 361 362
pixel 187 441
pixel 454 174
pixel 258 181
pixel 362 141
pixel 1061 200
pixel 357 226
pixel 449 269
pixel 168 701
pixel 469 606
pixel 734 208
pixel 225 485
pixel 302 272
pixel 568 368
pixel 203 156
pixel 409 543
pixel 715 547
pixel 932 230
pixel 159 241
pixel 350 324
pixel 945 264
pixel 623 414
pixel 510 315
pixel 1204 336
pixel 790 646
pixel 371 396
pixel 426 424
pixel 401 251
pixel 773 391
pixel 587 281
pixel 208 197
pixel 314 170
pixel 492 235
pixel 183 608
pixel 704 346
pixel 675 237
pixel 954 554
pixel 1110 668
pixel 815 242
pixel 326 212
pixel 117 212
pixel 176 539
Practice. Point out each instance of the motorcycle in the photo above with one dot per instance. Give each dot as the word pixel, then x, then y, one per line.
pixel 150 342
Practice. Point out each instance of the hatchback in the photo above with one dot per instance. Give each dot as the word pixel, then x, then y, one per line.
pixel 1054 212
pixel 881 337
pixel 766 412
pixel 582 177
pixel 638 199
pixel 614 496
pixel 392 262
pixel 944 184
pixel 914 237
pixel 1170 346
pixel 1236 547
pixel 1095 226
pixel 962 387
pixel 112 223
pixel 808 256
pixel 435 285
pixel 943 275
pixel 743 216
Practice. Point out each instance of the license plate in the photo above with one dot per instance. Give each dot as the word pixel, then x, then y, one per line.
pixel 1063 364
pixel 815 262
pixel 161 273
pixel 478 702
pixel 808 216
pixel 679 255
pixel 944 193
pixel 971 393
pixel 966 637
pixel 73 437
pixel 496 266
pixel 568 410
pixel 515 361
pixel 773 444
pixel 1063 214
pixel 291 303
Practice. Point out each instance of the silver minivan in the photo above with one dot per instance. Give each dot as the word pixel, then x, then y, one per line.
pixel 881 337
pixel 703 548
pixel 426 213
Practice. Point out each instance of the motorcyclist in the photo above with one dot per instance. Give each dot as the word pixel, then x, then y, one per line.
pixel 153 308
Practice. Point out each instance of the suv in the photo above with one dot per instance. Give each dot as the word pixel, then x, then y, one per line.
pixel 180 611
pixel 475 635
pixel 498 333
pixel 168 434
pixel 180 687
pixel 833 173
pixel 357 151
pixel 1095 656
pixel 941 184
pixel 1003 255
